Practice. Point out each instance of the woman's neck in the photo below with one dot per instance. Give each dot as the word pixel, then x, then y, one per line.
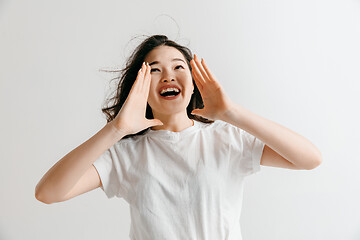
pixel 174 123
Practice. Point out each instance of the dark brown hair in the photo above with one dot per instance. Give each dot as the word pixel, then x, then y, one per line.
pixel 128 76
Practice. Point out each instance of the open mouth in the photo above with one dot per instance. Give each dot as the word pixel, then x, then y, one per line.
pixel 169 95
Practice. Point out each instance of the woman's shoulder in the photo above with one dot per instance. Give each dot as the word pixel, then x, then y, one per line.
pixel 215 124
pixel 129 141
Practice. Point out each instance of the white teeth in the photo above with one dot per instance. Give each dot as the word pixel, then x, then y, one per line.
pixel 169 89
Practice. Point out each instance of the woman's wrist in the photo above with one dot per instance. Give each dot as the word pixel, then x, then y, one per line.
pixel 119 132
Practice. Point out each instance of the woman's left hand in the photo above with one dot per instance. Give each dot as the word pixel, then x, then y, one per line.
pixel 216 102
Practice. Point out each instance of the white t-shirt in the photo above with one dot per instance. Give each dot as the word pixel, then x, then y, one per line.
pixel 182 185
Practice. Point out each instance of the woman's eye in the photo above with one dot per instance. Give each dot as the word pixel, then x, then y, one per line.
pixel 158 69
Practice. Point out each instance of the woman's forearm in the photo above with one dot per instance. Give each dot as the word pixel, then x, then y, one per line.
pixel 289 144
pixel 60 178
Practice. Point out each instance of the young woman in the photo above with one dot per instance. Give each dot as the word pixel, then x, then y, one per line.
pixel 176 148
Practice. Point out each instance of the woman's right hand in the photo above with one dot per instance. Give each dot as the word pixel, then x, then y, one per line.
pixel 131 117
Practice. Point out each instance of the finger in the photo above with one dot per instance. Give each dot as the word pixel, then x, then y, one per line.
pixel 142 76
pixel 209 73
pixel 203 73
pixel 198 84
pixel 134 87
pixel 139 79
pixel 196 74
pixel 147 80
pixel 142 79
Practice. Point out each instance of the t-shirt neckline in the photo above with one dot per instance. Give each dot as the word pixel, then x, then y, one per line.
pixel 167 133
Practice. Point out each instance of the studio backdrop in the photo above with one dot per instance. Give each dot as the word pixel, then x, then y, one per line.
pixel 293 62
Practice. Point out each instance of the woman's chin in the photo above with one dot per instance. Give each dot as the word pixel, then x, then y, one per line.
pixel 171 108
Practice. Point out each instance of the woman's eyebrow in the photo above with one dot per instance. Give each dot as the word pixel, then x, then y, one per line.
pixel 175 59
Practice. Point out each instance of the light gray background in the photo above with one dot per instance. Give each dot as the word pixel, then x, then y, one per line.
pixel 293 62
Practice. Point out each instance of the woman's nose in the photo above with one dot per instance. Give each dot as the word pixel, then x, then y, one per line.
pixel 168 80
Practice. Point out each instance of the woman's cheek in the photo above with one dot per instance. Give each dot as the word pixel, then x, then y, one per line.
pixel 152 95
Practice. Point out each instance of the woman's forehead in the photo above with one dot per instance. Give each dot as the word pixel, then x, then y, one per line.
pixel 164 54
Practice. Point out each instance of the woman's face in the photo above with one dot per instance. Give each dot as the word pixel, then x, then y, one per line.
pixel 169 67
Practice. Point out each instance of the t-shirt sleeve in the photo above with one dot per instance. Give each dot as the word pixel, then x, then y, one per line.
pixel 246 151
pixel 110 170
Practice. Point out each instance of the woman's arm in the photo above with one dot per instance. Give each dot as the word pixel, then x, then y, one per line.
pixel 61 178
pixel 288 144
